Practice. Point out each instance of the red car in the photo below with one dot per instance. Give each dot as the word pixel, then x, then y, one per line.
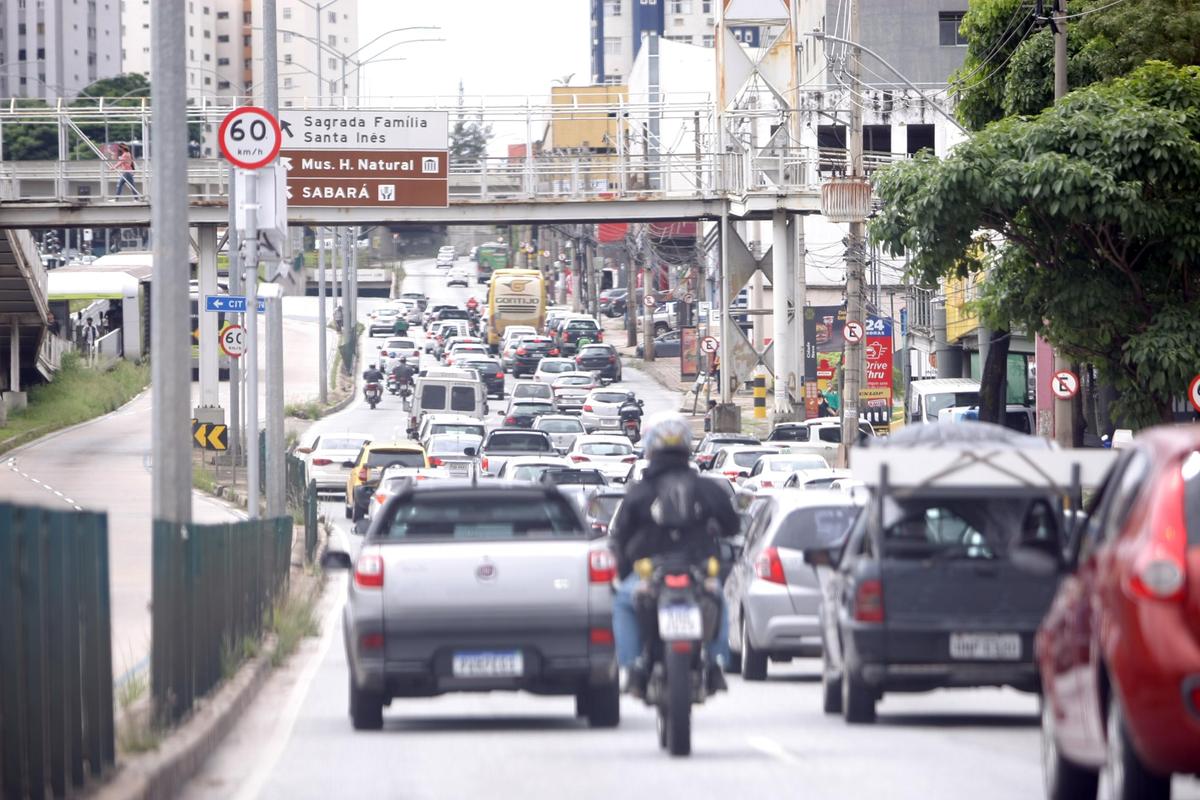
pixel 1119 650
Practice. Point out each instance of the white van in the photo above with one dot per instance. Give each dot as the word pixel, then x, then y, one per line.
pixel 928 397
pixel 435 394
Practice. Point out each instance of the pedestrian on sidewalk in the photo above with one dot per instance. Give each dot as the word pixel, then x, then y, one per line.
pixel 90 335
pixel 708 416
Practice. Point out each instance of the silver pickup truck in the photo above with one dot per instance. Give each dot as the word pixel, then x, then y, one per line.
pixel 473 587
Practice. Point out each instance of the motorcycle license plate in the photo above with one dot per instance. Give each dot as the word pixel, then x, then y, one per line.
pixel 502 664
pixel 679 622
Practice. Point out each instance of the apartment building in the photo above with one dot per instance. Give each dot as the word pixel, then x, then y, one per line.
pixel 619 28
pixel 53 48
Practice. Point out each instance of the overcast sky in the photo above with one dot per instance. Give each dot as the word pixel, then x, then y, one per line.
pixel 495 47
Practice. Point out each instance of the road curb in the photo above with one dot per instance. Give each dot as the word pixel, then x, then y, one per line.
pixel 164 772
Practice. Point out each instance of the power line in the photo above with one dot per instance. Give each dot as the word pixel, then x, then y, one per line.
pixel 1078 14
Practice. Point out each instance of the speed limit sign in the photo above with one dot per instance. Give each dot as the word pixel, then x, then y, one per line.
pixel 649 301
pixel 1194 392
pixel 233 340
pixel 249 137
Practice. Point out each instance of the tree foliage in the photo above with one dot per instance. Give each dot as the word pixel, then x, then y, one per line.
pixel 469 137
pixel 1087 216
pixel 1009 64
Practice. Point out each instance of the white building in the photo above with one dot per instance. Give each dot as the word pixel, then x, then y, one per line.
pixel 54 48
pixel 619 28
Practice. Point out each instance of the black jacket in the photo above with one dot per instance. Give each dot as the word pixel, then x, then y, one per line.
pixel 636 535
pixel 372 376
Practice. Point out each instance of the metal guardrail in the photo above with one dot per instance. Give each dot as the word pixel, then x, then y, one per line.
pixel 56 687
pixel 213 589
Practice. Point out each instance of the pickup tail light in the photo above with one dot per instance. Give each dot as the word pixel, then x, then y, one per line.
pixel 578 359
pixel 599 336
pixel 364 473
pixel 368 571
pixel 579 459
pixel 769 567
pixel 434 461
pixel 483 464
pixel 767 484
pixel 602 567
pixel 1160 569
pixel 321 462
pixel 868 601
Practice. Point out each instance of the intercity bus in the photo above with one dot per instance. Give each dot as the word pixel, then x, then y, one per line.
pixel 515 297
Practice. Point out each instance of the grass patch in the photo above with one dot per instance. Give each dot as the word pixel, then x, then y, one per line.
pixel 293 619
pixel 77 393
pixel 137 731
pixel 307 410
pixel 203 479
pixel 233 654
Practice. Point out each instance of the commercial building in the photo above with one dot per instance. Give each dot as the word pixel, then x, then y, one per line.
pixel 53 48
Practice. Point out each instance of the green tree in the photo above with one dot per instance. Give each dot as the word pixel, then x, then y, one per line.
pixel 31 141
pixel 130 90
pixel 1009 63
pixel 468 138
pixel 1086 214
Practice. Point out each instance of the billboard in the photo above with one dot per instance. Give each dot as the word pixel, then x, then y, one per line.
pixel 824 347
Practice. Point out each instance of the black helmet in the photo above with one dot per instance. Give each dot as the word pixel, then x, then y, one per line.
pixel 403 360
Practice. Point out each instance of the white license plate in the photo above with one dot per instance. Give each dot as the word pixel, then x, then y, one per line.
pixel 985 646
pixel 459 469
pixel 609 423
pixel 502 664
pixel 679 622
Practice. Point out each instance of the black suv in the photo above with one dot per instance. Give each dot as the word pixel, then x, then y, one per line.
pixel 490 372
pixel 576 330
pixel 601 359
pixel 529 353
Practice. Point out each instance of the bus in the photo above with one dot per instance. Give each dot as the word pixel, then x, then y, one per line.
pixel 489 258
pixel 515 297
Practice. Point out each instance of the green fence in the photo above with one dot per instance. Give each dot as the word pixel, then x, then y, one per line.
pixel 213 587
pixel 56 688
pixel 302 496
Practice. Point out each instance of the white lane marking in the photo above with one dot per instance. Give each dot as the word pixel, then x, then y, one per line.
pixel 35 480
pixel 286 722
pixel 772 748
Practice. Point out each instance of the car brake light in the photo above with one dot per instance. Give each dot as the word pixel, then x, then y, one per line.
pixel 368 571
pixel 434 461
pixel 371 641
pixel 629 460
pixel 600 636
pixel 521 351
pixel 510 420
pixel 578 459
pixel 554 351
pixel 677 581
pixel 1159 570
pixel 612 359
pixel 483 464
pixel 587 407
pixel 321 462
pixel 602 567
pixel 868 601
pixel 768 566
pixel 500 375
pixel 364 473
pixel 767 484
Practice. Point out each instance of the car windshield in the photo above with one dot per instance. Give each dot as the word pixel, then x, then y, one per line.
pixel 518 442
pixel 484 516
pixel 609 397
pixel 970 528
pixel 560 426
pixel 606 449
pixel 377 459
pixel 456 427
pixel 556 366
pixel 748 458
pixel 936 402
pixel 793 464
pixel 815 528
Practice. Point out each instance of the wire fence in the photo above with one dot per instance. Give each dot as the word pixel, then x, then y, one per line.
pixel 56 688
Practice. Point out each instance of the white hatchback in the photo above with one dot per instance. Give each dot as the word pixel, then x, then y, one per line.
pixel 611 454
pixel 601 411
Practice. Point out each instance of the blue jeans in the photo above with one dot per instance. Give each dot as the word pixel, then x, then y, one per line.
pixel 126 180
pixel 628 637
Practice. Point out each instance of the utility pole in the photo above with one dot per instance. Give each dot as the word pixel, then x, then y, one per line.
pixel 322 367
pixel 1064 410
pixel 631 302
pixel 233 245
pixel 647 311
pixel 171 366
pixel 852 360
pixel 253 453
pixel 276 461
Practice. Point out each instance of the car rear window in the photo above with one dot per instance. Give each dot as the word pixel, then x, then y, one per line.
pixel 451 446
pixel 518 442
pixel 377 459
pixel 574 380
pixel 606 449
pixel 401 344
pixel 593 351
pixel 433 396
pixel 798 433
pixel 791 465
pixel 609 397
pixel 815 528
pixel 712 445
pixel 341 444
pixel 462 398
pixel 748 458
pixel 578 477
pixel 484 366
pixel 604 506
pixel 533 389
pixel 560 426
pixel 456 427
pixel 582 325
pixel 968 528
pixel 557 366
pixel 453 313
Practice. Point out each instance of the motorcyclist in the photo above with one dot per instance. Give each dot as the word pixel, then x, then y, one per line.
pixel 403 371
pixel 630 408
pixel 400 326
pixel 372 374
pixel 636 533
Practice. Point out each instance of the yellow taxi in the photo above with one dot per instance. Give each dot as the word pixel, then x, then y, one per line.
pixel 370 463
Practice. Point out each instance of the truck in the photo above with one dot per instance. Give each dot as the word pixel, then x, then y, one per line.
pixel 515 297
pixel 465 586
pixel 490 257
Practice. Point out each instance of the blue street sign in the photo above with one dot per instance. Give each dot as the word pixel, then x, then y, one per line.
pixel 231 303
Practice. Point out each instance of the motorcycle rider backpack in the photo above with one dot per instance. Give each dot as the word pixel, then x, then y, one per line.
pixel 676 507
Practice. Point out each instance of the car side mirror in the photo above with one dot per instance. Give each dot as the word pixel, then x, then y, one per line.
pixel 821 558
pixel 348 464
pixel 335 560
pixel 743 475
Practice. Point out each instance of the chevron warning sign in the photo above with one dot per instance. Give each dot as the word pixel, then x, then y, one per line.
pixel 209 436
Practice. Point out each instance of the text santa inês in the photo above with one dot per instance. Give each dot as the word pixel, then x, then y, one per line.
pixel 342 130
pixel 364 164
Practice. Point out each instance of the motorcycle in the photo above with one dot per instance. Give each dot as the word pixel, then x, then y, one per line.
pixel 677 607
pixel 631 421
pixel 393 385
pixel 372 392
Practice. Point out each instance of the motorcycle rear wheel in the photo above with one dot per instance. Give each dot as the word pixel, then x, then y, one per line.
pixel 678 716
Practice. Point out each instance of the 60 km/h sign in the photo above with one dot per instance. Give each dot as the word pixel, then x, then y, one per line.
pixel 233 340
pixel 249 137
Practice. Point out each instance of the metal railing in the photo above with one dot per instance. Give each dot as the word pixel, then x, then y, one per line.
pixel 302 497
pixel 213 588
pixel 56 687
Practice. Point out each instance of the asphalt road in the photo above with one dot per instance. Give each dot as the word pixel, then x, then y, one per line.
pixel 759 740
